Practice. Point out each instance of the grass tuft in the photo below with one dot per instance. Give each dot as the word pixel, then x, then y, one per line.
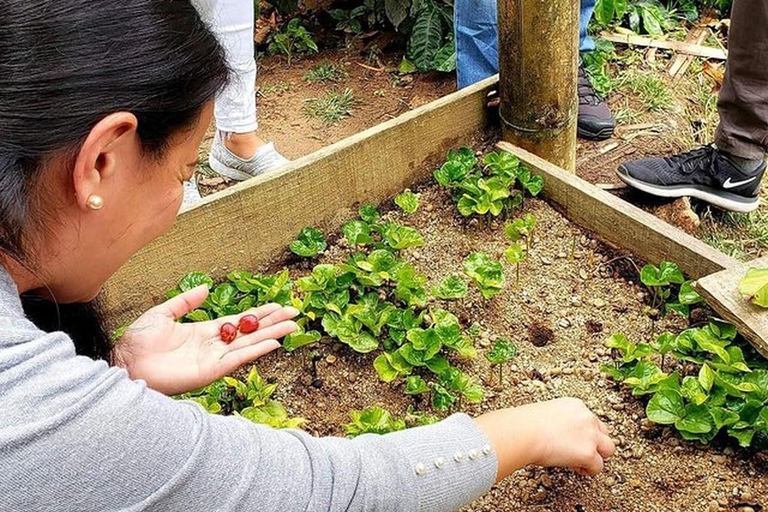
pixel 652 90
pixel 326 72
pixel 331 107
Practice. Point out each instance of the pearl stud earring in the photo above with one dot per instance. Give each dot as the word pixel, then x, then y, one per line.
pixel 95 202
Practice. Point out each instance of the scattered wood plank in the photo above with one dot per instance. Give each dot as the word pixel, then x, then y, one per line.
pixel 680 64
pixel 678 46
pixel 622 223
pixel 721 291
pixel 248 224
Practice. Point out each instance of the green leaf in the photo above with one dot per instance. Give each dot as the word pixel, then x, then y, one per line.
pixel 310 243
pixel 697 420
pixel 373 420
pixel 666 407
pixel 452 287
pixel 706 377
pixel 442 399
pixel 426 38
pixel 486 273
pixel 407 201
pixel 415 385
pixel 514 254
pixel 754 286
pixel 688 295
pixel 357 232
pixel 198 315
pixel 401 237
pixel 297 340
pixel 501 352
pixel 693 391
pixel 384 368
pixel 604 11
pixel 396 11
pixel 193 280
pixel 369 213
pixel 222 295
pixel 445 58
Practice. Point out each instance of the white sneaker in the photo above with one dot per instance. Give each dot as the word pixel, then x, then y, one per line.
pixel 191 193
pixel 226 163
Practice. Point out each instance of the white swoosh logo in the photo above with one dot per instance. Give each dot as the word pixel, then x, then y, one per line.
pixel 730 184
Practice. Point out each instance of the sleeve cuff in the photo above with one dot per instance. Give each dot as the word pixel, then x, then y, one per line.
pixel 449 464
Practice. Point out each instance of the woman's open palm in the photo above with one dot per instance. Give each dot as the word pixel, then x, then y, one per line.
pixel 175 357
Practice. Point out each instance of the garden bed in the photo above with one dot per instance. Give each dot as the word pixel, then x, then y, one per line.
pixel 573 294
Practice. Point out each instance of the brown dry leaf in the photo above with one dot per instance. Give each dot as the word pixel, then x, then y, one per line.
pixel 715 71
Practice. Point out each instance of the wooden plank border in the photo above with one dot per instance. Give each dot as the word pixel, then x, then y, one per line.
pixel 246 225
pixel 622 223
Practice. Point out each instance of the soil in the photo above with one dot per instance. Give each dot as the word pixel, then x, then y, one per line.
pixel 558 318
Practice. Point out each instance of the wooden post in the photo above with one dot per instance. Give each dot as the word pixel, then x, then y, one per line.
pixel 538 57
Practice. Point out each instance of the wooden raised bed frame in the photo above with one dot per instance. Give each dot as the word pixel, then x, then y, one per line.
pixel 249 224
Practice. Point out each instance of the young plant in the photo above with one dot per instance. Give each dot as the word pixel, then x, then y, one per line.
pixel 502 352
pixel 662 282
pixel 251 399
pixel 407 201
pixel 515 255
pixel 522 229
pixel 292 39
pixel 718 385
pixel 310 243
pixel 373 420
pixel 451 288
pixel 486 273
pixel 400 237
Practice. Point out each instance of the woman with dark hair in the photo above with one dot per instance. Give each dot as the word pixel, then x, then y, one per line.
pixel 102 107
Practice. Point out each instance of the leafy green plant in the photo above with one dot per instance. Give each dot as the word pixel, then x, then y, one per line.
pixel 407 201
pixel 754 286
pixel 310 243
pixel 251 399
pixel 451 288
pixel 326 72
pixel 486 273
pixel 293 38
pixel 502 352
pixel 515 254
pixel 651 16
pixel 331 107
pixel 374 420
pixel 400 237
pixel 490 189
pixel 349 21
pixel 369 213
pixel 663 281
pixel 522 229
pixel 717 384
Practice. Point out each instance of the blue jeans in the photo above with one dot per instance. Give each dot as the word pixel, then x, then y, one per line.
pixel 477 55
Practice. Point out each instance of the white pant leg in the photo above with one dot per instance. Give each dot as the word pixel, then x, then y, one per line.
pixel 233 21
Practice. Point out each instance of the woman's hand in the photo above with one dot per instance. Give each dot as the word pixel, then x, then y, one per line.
pixel 561 433
pixel 175 358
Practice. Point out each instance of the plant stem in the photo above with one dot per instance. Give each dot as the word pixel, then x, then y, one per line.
pixel 501 375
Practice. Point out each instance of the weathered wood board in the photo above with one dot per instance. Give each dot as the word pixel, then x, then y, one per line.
pixel 248 224
pixel 678 46
pixel 721 291
pixel 622 223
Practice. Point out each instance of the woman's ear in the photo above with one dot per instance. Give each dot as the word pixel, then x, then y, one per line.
pixel 113 137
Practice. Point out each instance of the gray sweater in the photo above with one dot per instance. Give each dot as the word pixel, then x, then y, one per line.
pixel 77 435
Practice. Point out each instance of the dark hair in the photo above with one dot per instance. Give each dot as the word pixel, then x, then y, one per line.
pixel 66 64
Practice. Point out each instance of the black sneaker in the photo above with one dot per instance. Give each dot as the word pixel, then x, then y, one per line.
pixel 595 119
pixel 704 173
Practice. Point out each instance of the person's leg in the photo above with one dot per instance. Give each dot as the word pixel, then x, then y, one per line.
pixel 476 30
pixel 586 44
pixel 237 151
pixel 727 174
pixel 743 103
pixel 477 58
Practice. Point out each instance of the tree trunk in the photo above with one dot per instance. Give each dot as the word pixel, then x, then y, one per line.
pixel 538 57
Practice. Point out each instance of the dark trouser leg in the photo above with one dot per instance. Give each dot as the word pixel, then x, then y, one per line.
pixel 743 103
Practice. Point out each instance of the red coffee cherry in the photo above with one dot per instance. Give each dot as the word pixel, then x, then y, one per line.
pixel 248 324
pixel 228 332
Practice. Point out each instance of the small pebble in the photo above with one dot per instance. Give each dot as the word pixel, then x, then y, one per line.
pixel 599 303
pixel 714 506
pixel 546 261
pixel 330 359
pixel 564 322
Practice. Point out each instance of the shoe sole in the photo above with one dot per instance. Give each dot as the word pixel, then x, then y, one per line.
pixel 605 133
pixel 721 199
pixel 227 171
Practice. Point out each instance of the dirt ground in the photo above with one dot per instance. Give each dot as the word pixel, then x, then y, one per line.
pixel 582 301
pixel 671 116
